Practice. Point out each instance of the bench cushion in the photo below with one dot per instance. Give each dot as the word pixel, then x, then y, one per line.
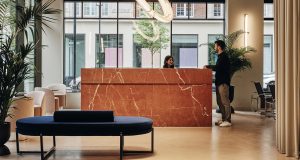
pixel 46 126
pixel 83 116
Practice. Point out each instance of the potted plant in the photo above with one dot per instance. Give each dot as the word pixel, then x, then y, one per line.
pixel 14 62
pixel 237 56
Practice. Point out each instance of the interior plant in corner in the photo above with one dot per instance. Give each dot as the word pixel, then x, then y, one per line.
pixel 14 61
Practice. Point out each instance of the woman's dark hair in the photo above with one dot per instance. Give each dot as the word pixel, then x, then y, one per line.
pixel 221 44
pixel 166 64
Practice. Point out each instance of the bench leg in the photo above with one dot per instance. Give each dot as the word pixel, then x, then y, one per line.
pixel 44 154
pixel 152 140
pixel 121 146
pixel 137 152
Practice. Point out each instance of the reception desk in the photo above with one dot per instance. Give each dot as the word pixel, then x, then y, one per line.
pixel 171 97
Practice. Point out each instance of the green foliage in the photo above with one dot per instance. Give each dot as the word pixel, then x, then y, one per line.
pixel 147 28
pixel 14 61
pixel 237 56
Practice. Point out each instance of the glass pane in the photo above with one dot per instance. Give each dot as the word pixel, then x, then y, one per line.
pixel 69 9
pixel 180 10
pixel 140 12
pixel 69 56
pixel 109 10
pixel 91 9
pixel 29 83
pixel 149 52
pixel 106 50
pixel 268 54
pixel 126 10
pixel 212 56
pixel 215 10
pixel 69 51
pixel 268 10
pixel 198 10
pixel 185 51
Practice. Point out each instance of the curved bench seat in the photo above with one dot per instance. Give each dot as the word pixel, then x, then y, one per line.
pixel 34 126
pixel 46 126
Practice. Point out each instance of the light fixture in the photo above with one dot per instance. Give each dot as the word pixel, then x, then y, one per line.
pixel 246 30
pixel 165 6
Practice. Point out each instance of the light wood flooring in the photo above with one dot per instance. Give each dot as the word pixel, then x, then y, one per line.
pixel 250 138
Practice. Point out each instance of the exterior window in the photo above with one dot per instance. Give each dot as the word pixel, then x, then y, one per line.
pixel 106 50
pixel 126 10
pixel 90 9
pixel 212 57
pixel 191 10
pixel 104 9
pixel 142 57
pixel 185 50
pixel 182 10
pixel 69 56
pixel 217 9
pixel 78 9
pixel 268 10
pixel 268 54
pixel 69 9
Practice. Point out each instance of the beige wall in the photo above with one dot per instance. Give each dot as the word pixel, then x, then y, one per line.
pixel 242 80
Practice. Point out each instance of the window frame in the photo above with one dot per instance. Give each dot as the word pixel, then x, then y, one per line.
pixel 106 16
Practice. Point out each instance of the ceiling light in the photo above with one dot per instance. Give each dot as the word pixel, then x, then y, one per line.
pixel 165 6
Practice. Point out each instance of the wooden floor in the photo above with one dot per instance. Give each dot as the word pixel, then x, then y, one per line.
pixel 250 138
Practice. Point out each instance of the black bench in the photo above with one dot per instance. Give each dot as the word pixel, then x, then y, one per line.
pixel 83 123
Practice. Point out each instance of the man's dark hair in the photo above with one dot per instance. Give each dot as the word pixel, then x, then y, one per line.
pixel 221 44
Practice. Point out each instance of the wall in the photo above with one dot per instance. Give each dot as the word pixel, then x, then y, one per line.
pixel 52 56
pixel 243 80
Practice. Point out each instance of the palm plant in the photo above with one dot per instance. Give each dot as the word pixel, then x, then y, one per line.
pixel 237 56
pixel 15 66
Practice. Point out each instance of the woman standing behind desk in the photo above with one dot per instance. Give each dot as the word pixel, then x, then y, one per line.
pixel 168 62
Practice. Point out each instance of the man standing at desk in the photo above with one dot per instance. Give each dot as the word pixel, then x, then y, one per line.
pixel 222 82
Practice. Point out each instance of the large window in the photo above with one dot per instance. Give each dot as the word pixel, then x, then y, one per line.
pixel 106 35
pixel 268 54
pixel 70 58
pixel 212 56
pixel 106 51
pixel 185 51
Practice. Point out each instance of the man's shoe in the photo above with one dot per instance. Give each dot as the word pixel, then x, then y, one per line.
pixel 225 124
pixel 217 123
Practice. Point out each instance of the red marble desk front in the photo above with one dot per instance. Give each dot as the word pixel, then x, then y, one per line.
pixel 171 97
